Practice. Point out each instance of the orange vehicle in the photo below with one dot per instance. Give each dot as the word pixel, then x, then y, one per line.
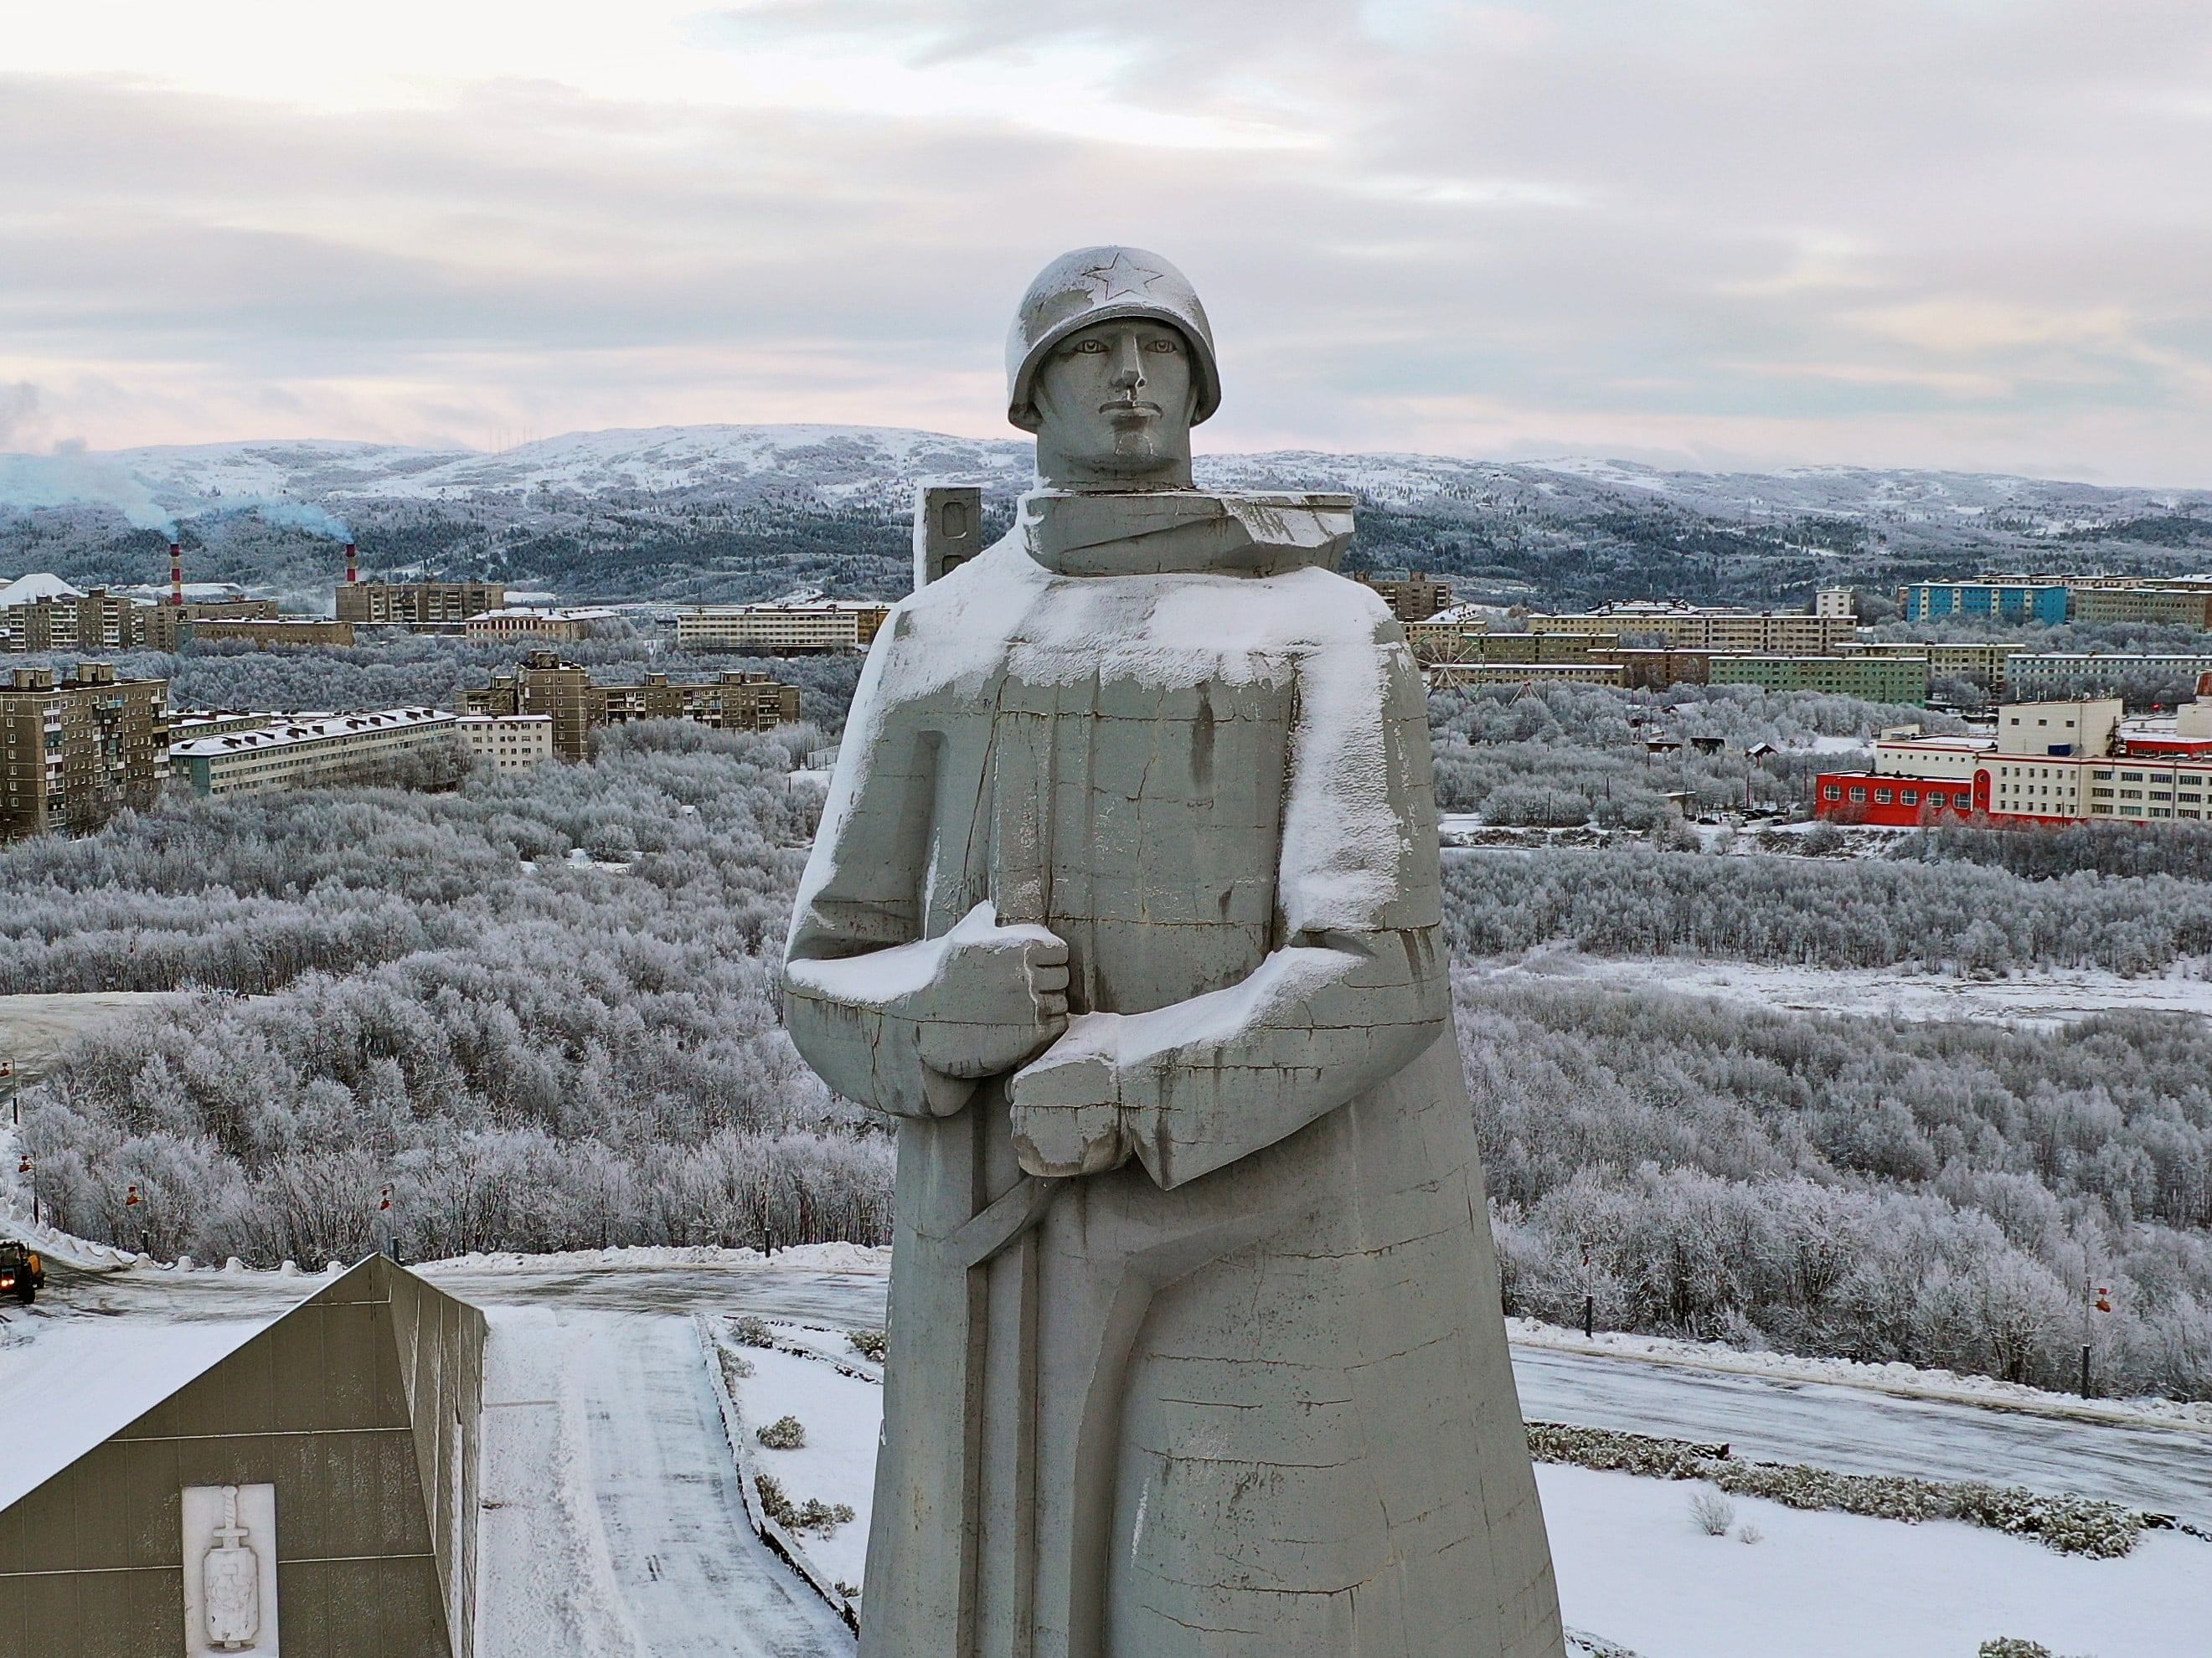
pixel 22 1273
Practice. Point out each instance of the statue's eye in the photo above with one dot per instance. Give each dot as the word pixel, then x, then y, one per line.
pixel 1162 345
pixel 1093 347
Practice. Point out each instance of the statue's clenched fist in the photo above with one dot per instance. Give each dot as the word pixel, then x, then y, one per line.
pixel 1067 1115
pixel 999 996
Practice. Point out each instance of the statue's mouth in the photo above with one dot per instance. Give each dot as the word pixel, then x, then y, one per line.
pixel 1129 406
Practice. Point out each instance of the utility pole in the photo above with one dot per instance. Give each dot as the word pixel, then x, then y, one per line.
pixel 15 1089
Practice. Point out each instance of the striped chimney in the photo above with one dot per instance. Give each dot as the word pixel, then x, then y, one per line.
pixel 176 573
pixel 353 566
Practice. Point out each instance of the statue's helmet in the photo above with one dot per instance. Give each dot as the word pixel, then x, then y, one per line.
pixel 1098 284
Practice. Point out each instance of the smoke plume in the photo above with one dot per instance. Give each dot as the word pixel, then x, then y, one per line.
pixel 299 515
pixel 70 477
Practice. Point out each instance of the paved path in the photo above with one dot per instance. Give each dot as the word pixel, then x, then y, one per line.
pixel 637 1545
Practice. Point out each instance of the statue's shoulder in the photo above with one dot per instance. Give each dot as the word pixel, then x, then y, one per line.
pixel 957 628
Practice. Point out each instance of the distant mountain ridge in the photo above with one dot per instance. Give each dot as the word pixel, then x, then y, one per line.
pixel 729 511
pixel 847 465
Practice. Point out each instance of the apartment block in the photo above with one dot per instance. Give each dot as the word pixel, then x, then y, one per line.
pixel 294 754
pixel 440 606
pixel 1982 662
pixel 69 620
pixel 2031 674
pixel 514 742
pixel 514 621
pixel 565 695
pixel 1413 596
pixel 2177 606
pixel 1874 678
pixel 2046 602
pixel 282 633
pixel 1446 675
pixel 782 629
pixel 1686 627
pixel 75 749
pixel 166 627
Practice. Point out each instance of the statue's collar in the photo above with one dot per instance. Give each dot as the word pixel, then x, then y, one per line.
pixel 1181 531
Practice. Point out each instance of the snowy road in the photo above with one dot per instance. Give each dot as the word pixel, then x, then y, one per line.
pixel 638 1548
pixel 1854 1430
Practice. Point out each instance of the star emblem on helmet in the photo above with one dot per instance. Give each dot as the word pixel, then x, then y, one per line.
pixel 1121 275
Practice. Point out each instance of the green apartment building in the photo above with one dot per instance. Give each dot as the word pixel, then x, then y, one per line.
pixel 1873 678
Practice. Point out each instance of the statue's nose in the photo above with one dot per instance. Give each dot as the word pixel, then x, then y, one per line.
pixel 1128 365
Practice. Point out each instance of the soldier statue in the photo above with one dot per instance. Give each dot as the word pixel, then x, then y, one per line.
pixel 1126 907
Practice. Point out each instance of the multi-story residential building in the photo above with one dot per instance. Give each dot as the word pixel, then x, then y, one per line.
pixel 185 724
pixel 166 627
pixel 45 613
pixel 1687 627
pixel 2053 673
pixel 1656 670
pixel 1875 678
pixel 520 621
pixel 514 742
pixel 782 629
pixel 1980 661
pixel 1834 602
pixel 2181 605
pixel 281 633
pixel 1445 676
pixel 308 753
pixel 1413 596
pixel 2048 762
pixel 2027 600
pixel 564 693
pixel 423 606
pixel 77 749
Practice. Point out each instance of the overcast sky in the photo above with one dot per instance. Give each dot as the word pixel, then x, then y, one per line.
pixel 1971 234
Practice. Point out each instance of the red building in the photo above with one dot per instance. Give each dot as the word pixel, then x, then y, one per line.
pixel 2048 762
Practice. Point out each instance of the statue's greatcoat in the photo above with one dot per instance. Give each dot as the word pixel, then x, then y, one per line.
pixel 1247 1395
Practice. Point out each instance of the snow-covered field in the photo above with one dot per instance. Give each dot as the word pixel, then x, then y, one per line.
pixel 2042 998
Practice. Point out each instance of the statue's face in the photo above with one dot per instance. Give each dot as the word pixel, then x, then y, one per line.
pixel 1113 404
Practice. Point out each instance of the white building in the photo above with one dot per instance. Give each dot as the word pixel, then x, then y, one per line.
pixel 303 753
pixel 509 742
pixel 772 629
pixel 526 622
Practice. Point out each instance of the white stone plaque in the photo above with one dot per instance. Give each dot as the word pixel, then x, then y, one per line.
pixel 230 1570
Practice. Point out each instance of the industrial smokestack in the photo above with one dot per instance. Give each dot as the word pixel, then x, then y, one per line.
pixel 176 573
pixel 353 566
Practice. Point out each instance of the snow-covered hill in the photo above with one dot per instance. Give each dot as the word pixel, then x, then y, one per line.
pixel 690 512
pixel 859 465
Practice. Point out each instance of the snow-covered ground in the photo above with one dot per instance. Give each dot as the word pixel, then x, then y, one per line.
pixel 841 1416
pixel 613 1525
pixel 2041 998
pixel 1633 1568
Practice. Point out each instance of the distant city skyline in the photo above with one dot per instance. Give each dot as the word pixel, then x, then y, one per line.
pixel 1965 235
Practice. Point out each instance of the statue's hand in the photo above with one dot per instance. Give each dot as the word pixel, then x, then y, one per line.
pixel 998 996
pixel 1066 1114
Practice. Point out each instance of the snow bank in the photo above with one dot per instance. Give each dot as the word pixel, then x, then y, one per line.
pixel 875 1259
